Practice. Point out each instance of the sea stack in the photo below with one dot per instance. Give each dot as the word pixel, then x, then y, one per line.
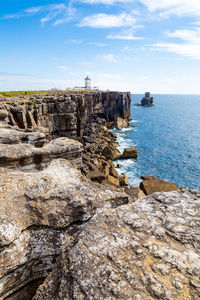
pixel 147 100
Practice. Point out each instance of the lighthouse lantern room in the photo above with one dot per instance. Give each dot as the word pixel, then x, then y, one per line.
pixel 87 83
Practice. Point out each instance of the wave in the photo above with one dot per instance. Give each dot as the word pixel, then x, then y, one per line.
pixel 134 121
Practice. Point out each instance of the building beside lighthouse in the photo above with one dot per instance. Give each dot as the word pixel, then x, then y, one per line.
pixel 87 86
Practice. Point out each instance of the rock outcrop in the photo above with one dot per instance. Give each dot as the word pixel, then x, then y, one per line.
pixel 79 239
pixel 147 100
pixel 129 153
pixel 40 211
pixel 44 199
pixel 150 186
pixel 142 251
pixel 64 114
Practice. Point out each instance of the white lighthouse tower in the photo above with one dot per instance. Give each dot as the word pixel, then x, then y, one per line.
pixel 87 83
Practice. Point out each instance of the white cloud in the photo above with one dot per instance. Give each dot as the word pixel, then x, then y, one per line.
pixel 60 13
pixel 188 50
pixel 33 9
pixel 76 42
pixel 192 36
pixel 107 21
pixel 191 46
pixel 123 37
pixel 107 2
pixel 109 58
pixel 63 68
pixel 128 34
pixel 178 7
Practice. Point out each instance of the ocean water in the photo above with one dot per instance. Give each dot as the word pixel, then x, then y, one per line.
pixel 167 137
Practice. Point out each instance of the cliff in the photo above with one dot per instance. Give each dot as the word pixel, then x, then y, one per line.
pixel 64 236
pixel 63 114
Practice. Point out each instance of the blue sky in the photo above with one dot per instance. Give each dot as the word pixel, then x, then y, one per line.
pixel 134 45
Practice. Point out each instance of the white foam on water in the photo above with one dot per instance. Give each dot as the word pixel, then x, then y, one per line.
pixel 124 143
pixel 134 121
pixel 127 129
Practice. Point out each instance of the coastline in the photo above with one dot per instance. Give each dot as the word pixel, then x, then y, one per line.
pixel 70 226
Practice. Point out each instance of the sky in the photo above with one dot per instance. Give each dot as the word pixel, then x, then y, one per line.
pixel 126 45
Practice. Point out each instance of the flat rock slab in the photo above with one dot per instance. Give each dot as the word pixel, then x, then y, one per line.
pixel 156 185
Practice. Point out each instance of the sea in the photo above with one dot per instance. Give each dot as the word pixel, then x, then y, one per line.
pixel 167 137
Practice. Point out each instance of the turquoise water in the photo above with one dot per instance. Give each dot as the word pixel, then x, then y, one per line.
pixel 167 137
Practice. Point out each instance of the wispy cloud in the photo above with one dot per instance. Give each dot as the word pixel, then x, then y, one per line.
pixel 177 7
pixel 192 36
pixel 107 21
pixel 106 2
pixel 187 50
pixel 97 44
pixel 73 41
pixel 63 68
pixel 109 58
pixel 190 47
pixel 58 13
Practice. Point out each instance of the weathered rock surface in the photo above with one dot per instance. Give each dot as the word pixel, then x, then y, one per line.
pixel 129 153
pixel 30 157
pixel 142 251
pixel 39 213
pixel 121 123
pixel 64 114
pixel 156 185
pixel 147 100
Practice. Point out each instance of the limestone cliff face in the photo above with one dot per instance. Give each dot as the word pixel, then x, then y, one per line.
pixel 66 115
pixel 44 199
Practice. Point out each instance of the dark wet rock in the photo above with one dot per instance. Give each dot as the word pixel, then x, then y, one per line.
pixel 147 100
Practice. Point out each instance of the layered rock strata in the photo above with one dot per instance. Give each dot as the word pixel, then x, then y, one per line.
pixel 142 251
pixel 40 211
pixel 64 114
pixel 45 200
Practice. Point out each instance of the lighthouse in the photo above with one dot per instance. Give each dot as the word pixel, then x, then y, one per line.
pixel 87 83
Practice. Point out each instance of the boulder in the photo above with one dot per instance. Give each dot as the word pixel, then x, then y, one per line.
pixel 121 123
pixel 123 180
pixel 148 177
pixel 156 185
pixel 146 250
pixel 113 180
pixel 129 153
pixel 118 166
pixel 111 153
pixel 113 172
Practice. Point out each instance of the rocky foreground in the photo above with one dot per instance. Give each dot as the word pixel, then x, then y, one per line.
pixel 70 227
